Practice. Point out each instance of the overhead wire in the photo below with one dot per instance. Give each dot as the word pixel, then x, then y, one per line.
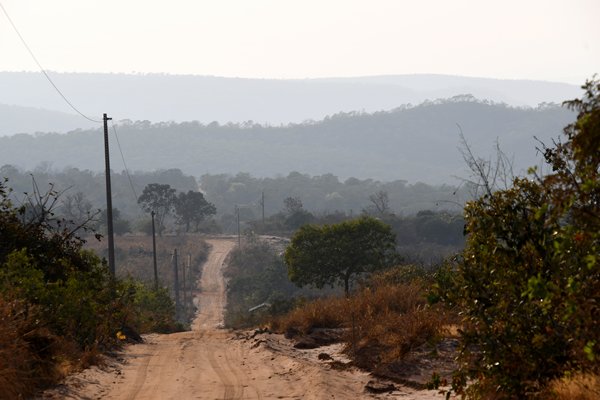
pixel 69 103
pixel 131 185
pixel 43 70
pixel 62 95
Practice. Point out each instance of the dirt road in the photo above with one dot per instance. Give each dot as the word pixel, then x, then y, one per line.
pixel 212 363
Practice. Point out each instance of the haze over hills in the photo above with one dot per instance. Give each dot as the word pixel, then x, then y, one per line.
pixel 412 143
pixel 161 97
pixel 19 119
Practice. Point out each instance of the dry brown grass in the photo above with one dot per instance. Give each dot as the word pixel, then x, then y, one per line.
pixel 134 254
pixel 391 320
pixel 382 323
pixel 14 353
pixel 578 387
pixel 31 357
pixel 321 313
pixel 25 351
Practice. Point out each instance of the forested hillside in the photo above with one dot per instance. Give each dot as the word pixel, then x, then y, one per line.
pixel 165 97
pixel 411 143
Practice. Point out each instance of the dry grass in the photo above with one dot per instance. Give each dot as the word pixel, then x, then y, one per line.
pixel 15 357
pixel 134 255
pixel 578 387
pixel 382 323
pixel 25 350
pixel 31 357
pixel 322 313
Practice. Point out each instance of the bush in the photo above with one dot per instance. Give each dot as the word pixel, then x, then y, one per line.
pixel 529 281
pixel 58 303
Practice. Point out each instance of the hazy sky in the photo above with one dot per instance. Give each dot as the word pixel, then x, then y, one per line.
pixel 532 39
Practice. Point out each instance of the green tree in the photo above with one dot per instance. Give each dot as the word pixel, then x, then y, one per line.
pixel 192 208
pixel 160 199
pixel 529 281
pixel 338 253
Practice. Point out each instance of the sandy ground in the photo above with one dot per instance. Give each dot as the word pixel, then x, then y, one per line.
pixel 213 363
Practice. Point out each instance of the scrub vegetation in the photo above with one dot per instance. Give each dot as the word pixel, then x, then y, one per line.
pixel 59 306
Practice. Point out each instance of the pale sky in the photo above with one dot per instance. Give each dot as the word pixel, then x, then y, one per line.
pixel 516 39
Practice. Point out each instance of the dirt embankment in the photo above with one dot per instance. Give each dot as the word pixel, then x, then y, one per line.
pixel 213 363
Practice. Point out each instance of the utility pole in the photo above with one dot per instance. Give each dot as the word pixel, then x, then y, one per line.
pixel 176 283
pixel 154 253
pixel 190 273
pixel 262 203
pixel 109 209
pixel 237 211
pixel 184 288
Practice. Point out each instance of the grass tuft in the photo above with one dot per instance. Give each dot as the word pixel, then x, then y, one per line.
pixel 382 323
pixel 577 387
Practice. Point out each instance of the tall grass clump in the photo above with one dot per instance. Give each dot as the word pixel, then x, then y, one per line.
pixel 382 321
pixel 575 387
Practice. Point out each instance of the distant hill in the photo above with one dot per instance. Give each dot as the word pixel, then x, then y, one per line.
pixel 161 97
pixel 412 143
pixel 18 119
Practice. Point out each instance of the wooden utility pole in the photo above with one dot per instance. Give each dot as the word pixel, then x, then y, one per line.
pixel 237 210
pixel 109 209
pixel 176 283
pixel 262 203
pixel 154 253
pixel 190 283
pixel 184 289
pixel 190 273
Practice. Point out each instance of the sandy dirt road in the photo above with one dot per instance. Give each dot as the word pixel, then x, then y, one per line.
pixel 213 363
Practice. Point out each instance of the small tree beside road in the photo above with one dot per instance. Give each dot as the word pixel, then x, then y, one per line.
pixel 338 253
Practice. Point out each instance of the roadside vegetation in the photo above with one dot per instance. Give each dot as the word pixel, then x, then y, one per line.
pixel 256 276
pixel 133 259
pixel 528 281
pixel 59 306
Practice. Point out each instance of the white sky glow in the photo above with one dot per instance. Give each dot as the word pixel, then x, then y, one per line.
pixel 517 39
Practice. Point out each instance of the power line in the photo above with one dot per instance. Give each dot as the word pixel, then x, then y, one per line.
pixel 43 70
pixel 124 163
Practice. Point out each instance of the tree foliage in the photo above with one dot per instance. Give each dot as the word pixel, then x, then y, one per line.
pixel 159 198
pixel 192 208
pixel 338 253
pixel 529 281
